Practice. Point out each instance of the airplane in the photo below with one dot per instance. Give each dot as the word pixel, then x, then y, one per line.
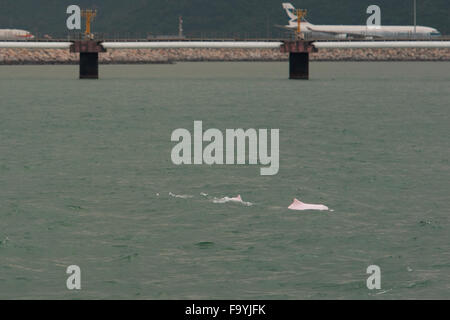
pixel 319 32
pixel 15 34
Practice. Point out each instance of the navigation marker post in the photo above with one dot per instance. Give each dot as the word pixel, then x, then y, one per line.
pixel 89 15
pixel 300 14
pixel 415 18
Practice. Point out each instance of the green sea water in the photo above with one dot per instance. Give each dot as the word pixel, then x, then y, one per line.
pixel 86 179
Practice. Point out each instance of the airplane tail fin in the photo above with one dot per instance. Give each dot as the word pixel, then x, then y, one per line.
pixel 290 10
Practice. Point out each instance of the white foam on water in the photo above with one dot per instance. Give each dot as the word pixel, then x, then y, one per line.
pixel 381 292
pixel 180 196
pixel 237 199
pixel 5 241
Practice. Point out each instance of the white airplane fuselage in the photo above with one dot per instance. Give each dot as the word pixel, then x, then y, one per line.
pixel 15 34
pixel 345 31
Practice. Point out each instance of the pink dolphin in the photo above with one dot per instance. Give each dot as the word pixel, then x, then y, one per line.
pixel 236 199
pixel 298 205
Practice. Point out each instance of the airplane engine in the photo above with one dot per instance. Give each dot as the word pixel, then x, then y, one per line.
pixel 342 36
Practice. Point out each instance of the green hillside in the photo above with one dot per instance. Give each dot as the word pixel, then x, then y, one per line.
pixel 213 17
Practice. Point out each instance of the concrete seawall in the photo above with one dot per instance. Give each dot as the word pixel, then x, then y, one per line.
pixel 142 56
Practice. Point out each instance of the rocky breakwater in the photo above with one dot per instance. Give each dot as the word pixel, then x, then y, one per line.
pixel 144 56
pixel 402 54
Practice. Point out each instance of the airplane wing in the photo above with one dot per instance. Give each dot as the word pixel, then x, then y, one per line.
pixel 284 27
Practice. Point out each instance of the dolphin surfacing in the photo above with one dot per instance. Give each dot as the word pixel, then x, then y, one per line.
pixel 236 199
pixel 300 206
